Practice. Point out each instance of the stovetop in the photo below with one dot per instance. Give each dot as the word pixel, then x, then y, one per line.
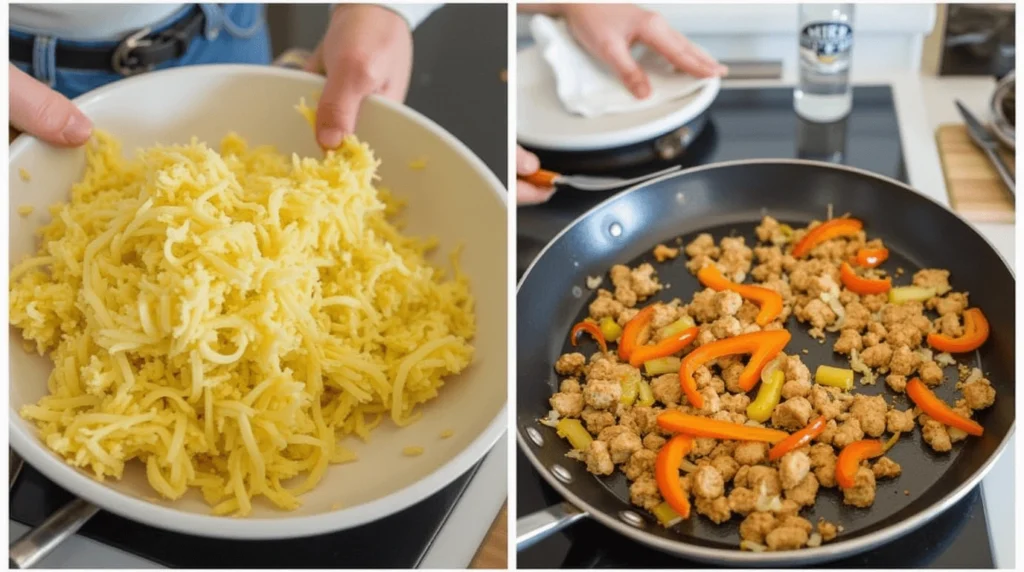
pixel 746 124
pixel 399 541
pixel 471 102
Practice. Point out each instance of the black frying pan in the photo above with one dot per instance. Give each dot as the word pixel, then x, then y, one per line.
pixel 731 198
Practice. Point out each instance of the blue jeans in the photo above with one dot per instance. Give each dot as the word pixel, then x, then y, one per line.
pixel 233 33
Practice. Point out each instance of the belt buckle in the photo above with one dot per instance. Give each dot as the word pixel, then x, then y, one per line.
pixel 123 62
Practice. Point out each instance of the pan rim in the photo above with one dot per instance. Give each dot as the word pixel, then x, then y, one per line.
pixel 826 552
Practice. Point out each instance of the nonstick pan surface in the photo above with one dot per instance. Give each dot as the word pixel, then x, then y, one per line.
pixel 728 199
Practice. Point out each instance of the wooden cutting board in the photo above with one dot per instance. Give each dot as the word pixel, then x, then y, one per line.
pixel 493 551
pixel 975 189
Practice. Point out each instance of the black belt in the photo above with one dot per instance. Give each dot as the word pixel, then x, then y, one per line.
pixel 141 51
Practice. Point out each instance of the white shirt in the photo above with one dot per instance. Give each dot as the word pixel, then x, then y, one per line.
pixel 106 22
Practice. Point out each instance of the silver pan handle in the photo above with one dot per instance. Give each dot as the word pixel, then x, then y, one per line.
pixel 37 543
pixel 535 527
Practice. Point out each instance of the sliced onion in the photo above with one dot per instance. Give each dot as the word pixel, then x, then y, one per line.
pixel 769 504
pixel 594 281
pixel 924 353
pixel 687 467
pixel 858 365
pixel 814 541
pixel 551 420
pixel 956 434
pixel 765 503
pixel 752 546
pixel 833 302
pixel 770 367
pixel 975 375
pixel 944 359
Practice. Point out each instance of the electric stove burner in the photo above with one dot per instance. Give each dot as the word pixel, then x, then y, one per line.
pixel 750 124
pixel 398 541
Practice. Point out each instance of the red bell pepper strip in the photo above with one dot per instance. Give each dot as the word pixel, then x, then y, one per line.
pixel 763 346
pixel 696 426
pixel 627 342
pixel 938 410
pixel 828 230
pixel 666 473
pixel 663 348
pixel 851 456
pixel 862 285
pixel 798 439
pixel 872 257
pixel 592 329
pixel 975 333
pixel 769 300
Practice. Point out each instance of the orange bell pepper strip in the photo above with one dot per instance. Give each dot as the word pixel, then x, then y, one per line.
pixel 763 346
pixel 696 426
pixel 798 439
pixel 627 343
pixel 860 285
pixel 666 473
pixel 592 329
pixel 871 257
pixel 663 348
pixel 851 456
pixel 770 301
pixel 975 334
pixel 937 409
pixel 827 230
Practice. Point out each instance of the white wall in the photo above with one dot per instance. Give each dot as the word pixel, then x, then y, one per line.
pixel 886 36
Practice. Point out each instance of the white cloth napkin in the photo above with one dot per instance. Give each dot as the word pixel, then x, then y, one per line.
pixel 589 88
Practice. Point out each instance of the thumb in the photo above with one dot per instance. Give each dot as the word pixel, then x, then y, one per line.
pixel 526 162
pixel 527 194
pixel 338 109
pixel 39 111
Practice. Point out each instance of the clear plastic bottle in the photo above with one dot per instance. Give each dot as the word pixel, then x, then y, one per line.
pixel 823 93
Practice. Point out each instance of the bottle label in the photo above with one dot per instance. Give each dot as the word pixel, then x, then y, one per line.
pixel 825 46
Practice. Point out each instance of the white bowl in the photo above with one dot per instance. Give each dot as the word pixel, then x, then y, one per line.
pixel 455 198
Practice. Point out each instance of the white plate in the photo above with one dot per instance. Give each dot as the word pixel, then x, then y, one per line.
pixel 257 102
pixel 543 123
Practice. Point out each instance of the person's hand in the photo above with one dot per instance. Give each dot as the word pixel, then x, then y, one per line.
pixel 608 31
pixel 367 50
pixel 41 112
pixel 527 194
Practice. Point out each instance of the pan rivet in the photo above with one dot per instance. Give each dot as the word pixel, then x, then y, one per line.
pixel 535 436
pixel 680 197
pixel 615 229
pixel 631 518
pixel 577 292
pixel 561 473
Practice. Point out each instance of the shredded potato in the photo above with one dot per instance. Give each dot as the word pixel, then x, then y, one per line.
pixel 227 319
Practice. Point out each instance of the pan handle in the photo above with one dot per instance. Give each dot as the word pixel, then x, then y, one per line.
pixel 535 527
pixel 39 542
